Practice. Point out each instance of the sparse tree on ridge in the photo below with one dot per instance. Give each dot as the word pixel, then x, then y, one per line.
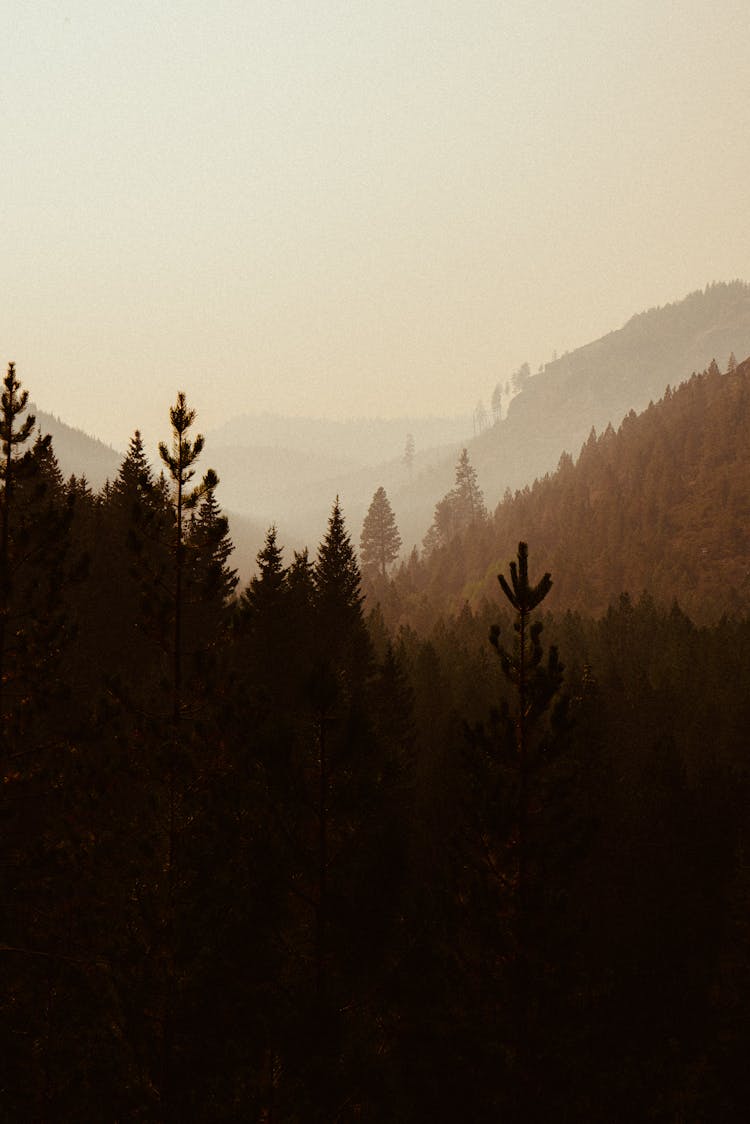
pixel 481 420
pixel 380 541
pixel 497 402
pixel 409 453
pixel 521 377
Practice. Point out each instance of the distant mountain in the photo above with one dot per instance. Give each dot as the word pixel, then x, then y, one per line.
pixel 288 471
pixel 555 412
pixel 599 383
pixel 77 453
pixel 662 505
pixel 356 441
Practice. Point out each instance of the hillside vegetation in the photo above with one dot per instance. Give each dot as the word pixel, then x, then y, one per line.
pixel 662 503
pixel 600 383
pixel 288 470
pixel 266 858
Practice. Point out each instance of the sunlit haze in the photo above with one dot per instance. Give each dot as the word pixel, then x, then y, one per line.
pixel 346 209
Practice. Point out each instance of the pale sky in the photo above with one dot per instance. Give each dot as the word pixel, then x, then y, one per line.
pixel 352 208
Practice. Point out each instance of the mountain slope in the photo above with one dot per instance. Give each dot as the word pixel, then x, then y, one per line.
pixel 77 453
pixel 599 383
pixel 662 505
pixel 360 441
pixel 593 386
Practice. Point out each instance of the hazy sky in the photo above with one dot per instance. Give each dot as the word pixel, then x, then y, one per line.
pixel 353 208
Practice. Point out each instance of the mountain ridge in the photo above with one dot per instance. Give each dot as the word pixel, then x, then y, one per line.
pixel 593 386
pixel 662 504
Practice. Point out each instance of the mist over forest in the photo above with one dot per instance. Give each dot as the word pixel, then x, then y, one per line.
pixel 386 770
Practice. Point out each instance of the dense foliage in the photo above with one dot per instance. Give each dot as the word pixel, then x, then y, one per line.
pixel 663 505
pixel 270 857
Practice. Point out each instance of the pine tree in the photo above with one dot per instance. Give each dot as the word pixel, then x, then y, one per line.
pixel 271 634
pixel 536 685
pixel 209 549
pixel 135 477
pixel 340 662
pixel 409 451
pixel 481 419
pixel 462 507
pixel 468 494
pixel 132 569
pixel 380 541
pixel 179 462
pixel 36 709
pixel 13 405
pixel 263 594
pixel 35 521
pixel 338 590
pixel 497 402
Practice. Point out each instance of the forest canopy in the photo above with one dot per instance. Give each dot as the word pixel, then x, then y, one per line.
pixel 322 849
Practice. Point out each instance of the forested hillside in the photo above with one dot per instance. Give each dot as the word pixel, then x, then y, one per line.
pixel 593 386
pixel 285 470
pixel 77 453
pixel 660 504
pixel 268 856
pixel 597 385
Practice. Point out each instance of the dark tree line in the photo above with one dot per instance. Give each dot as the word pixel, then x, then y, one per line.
pixel 266 858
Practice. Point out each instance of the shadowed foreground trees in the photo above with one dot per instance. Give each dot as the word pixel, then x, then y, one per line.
pixel 362 875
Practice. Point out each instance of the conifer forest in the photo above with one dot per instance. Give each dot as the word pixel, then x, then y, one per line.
pixel 457 838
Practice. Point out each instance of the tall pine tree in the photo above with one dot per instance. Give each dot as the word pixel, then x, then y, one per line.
pixel 380 541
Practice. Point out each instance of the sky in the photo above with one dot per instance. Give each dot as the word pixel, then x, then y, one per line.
pixel 356 208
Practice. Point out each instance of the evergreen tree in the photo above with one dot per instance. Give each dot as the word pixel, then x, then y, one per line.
pixel 521 377
pixel 179 461
pixel 536 683
pixel 481 419
pixel 12 407
pixel 264 592
pixel 380 541
pixel 338 595
pixel 135 478
pixel 409 453
pixel 39 807
pixel 468 495
pixel 209 548
pixel 497 402
pixel 131 580
pixel 35 522
pixel 462 508
pixel 272 634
